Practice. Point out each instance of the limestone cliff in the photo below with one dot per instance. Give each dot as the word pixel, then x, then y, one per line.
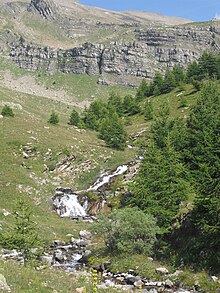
pixel 153 50
pixel 45 8
pixel 120 47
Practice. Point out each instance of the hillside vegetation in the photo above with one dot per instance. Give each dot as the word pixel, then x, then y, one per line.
pixel 84 91
pixel 177 182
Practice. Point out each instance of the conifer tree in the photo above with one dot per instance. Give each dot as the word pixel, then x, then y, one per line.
pixel 169 82
pixel 142 91
pixel 148 110
pixel 23 236
pixel 161 185
pixel 130 106
pixel 158 83
pixel 203 158
pixel 178 135
pixel 179 74
pixel 93 115
pixel 115 102
pixel 208 64
pixel 193 71
pixel 54 118
pixel 161 126
pixel 90 120
pixel 74 118
pixel 112 131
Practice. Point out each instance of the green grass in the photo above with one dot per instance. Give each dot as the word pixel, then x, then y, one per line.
pixel 81 87
pixel 30 126
pixel 44 29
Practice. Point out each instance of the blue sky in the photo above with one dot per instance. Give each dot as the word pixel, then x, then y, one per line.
pixel 197 10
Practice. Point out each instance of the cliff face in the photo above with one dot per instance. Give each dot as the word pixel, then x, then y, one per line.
pixel 45 8
pixel 153 50
pixel 65 36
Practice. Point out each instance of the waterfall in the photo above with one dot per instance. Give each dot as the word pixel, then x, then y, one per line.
pixel 66 201
pixel 68 205
pixel 105 178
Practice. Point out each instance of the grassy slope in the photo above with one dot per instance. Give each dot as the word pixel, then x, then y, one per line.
pixel 30 126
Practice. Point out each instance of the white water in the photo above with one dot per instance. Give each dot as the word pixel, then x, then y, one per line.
pixel 68 206
pixel 105 178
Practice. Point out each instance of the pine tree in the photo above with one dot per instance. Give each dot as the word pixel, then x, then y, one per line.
pixel 90 120
pixel 208 65
pixel 115 102
pixel 142 91
pixel 179 73
pixel 161 185
pixel 158 83
pixel 203 158
pixel 93 115
pixel 130 106
pixel 54 118
pixel 112 131
pixel 23 236
pixel 148 110
pixel 161 126
pixel 193 71
pixel 74 118
pixel 169 82
pixel 178 135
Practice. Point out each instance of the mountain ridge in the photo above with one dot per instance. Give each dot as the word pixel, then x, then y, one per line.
pixel 55 36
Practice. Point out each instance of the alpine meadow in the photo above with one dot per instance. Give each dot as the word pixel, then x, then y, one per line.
pixel 109 150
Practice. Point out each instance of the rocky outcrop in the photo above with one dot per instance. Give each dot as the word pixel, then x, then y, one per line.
pixel 3 284
pixel 45 8
pixel 154 50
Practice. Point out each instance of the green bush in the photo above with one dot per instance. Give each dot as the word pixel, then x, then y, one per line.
pixel 7 111
pixel 127 230
pixel 54 119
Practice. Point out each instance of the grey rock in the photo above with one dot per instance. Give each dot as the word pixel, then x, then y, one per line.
pixel 3 284
pixel 59 256
pixel 59 242
pixel 154 50
pixel 162 271
pixel 138 283
pixel 214 279
pixel 82 243
pixel 47 258
pixel 45 8
pixel 130 279
pixel 85 234
pixel 169 283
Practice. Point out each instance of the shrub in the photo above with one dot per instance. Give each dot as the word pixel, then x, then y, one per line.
pixel 54 119
pixel 127 230
pixel 7 111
